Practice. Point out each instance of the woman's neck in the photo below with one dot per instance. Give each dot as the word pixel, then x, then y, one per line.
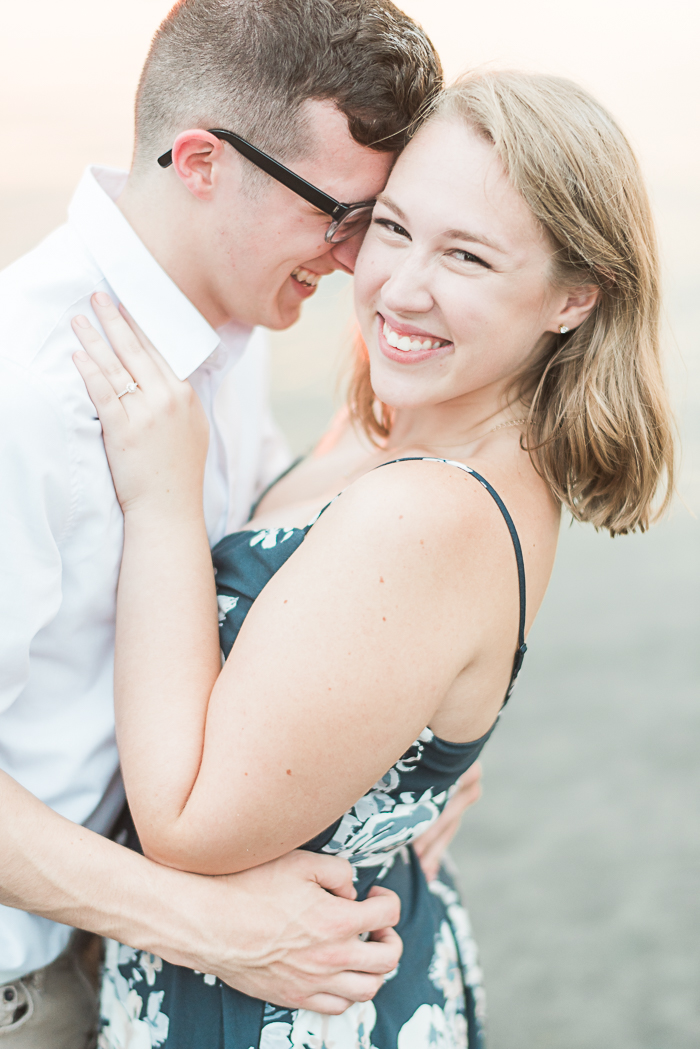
pixel 451 426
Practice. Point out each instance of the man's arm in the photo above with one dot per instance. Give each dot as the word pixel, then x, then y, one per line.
pixel 273 932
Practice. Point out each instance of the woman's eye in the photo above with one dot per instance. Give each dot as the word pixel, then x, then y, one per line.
pixel 392 227
pixel 466 256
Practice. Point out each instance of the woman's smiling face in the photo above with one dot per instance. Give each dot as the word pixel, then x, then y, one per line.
pixel 451 285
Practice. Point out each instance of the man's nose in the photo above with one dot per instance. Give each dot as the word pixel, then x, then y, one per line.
pixel 345 254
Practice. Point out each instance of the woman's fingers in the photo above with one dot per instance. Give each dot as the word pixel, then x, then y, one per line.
pixel 124 343
pixel 97 349
pixel 431 859
pixel 148 346
pixel 102 394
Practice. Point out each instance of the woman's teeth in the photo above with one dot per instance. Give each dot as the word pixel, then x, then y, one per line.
pixel 306 277
pixel 406 343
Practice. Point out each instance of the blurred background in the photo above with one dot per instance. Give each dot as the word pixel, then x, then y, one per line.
pixel 581 865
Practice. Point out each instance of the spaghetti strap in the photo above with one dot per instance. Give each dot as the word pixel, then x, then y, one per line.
pixel 522 647
pixel 271 485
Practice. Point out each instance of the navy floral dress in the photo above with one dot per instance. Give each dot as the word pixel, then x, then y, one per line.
pixel 434 998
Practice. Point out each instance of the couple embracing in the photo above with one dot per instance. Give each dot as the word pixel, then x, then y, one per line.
pixel 371 602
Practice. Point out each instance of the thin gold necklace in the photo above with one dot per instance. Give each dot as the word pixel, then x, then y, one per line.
pixel 508 422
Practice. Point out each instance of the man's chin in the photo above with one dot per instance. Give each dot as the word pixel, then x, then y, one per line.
pixel 283 317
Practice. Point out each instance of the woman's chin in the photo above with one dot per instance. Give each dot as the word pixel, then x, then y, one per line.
pixel 398 392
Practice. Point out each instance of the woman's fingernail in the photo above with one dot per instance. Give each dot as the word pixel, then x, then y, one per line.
pixel 102 298
pixel 80 355
pixel 81 321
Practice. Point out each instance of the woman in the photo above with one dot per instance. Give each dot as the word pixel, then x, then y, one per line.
pixel 507 297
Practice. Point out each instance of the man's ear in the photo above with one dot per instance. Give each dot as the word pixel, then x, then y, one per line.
pixel 580 304
pixel 195 153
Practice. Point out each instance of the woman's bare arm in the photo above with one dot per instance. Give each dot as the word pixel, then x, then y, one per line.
pixel 343 659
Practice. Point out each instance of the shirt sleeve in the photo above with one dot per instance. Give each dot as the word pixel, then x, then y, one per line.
pixel 35 508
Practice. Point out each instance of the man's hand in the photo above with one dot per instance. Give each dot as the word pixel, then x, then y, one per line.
pixel 289 932
pixel 431 845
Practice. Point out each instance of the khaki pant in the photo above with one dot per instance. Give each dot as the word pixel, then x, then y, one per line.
pixel 55 1007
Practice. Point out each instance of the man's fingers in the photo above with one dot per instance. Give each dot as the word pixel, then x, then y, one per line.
pixel 332 874
pixel 329 1004
pixel 390 939
pixel 352 987
pixel 375 957
pixel 381 910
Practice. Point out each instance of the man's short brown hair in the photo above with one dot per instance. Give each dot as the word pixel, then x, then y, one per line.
pixel 249 65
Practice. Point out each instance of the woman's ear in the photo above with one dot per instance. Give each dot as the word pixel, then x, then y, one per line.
pixel 195 153
pixel 580 304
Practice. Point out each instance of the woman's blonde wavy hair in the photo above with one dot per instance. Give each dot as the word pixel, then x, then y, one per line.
pixel 600 430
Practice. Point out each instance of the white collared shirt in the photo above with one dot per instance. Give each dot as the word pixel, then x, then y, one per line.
pixel 60 522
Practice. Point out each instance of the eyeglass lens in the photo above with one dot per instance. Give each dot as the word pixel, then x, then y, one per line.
pixel 353 222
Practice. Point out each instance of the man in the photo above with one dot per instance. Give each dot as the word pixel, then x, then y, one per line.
pixel 199 249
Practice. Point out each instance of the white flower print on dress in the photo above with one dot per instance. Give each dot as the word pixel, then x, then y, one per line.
pixel 425 1030
pixel 380 824
pixel 276 1036
pixel 226 604
pixel 150 964
pixel 122 1006
pixel 366 836
pixel 466 944
pixel 445 972
pixel 310 1030
pixel 353 1027
pixel 268 537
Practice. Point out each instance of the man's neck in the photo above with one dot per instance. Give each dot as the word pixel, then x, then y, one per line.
pixel 168 230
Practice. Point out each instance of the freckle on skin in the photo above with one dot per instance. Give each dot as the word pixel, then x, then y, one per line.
pixel 381 580
pixel 289 772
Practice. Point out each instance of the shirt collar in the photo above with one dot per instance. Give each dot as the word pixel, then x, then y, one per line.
pixel 174 326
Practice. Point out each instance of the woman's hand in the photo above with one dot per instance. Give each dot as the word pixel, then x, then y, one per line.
pixel 430 847
pixel 157 436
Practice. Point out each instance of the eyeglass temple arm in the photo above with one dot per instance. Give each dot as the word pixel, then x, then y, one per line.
pixel 329 205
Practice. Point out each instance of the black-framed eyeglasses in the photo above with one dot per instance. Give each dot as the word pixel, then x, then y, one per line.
pixel 346 219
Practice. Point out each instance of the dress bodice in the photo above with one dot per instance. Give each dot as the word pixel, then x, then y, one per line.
pixel 413 792
pixel 434 997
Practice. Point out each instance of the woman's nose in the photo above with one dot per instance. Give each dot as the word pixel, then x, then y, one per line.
pixel 406 290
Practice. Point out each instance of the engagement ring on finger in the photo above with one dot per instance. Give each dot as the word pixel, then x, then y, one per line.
pixel 131 387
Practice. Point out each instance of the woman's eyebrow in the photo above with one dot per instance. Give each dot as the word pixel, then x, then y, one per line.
pixel 389 203
pixel 451 234
pixel 477 238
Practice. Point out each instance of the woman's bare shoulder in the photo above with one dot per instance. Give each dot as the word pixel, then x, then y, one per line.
pixel 423 499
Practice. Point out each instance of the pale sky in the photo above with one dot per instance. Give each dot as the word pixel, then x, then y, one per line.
pixel 68 71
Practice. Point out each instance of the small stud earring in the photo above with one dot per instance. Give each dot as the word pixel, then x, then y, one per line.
pixel 563 329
